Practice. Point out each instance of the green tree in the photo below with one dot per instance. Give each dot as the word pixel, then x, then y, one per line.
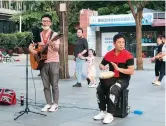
pixel 138 15
pixel 32 16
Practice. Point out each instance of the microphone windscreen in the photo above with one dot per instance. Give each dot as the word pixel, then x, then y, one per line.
pixel 36 34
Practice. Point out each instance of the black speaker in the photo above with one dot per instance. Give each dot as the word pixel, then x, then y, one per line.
pixel 122 108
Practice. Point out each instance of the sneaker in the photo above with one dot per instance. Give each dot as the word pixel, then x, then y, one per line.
pixel 92 86
pixel 108 118
pixel 154 82
pixel 46 108
pixel 100 116
pixel 158 83
pixel 77 85
pixel 53 108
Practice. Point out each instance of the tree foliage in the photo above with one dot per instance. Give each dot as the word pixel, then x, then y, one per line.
pixel 34 10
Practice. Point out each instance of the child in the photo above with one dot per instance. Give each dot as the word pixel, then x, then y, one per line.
pixel 91 68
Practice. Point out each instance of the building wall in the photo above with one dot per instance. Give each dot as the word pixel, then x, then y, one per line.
pixel 84 19
pixel 98 44
pixel 7 9
pixel 131 29
pixel 127 30
pixel 130 34
pixel 7 26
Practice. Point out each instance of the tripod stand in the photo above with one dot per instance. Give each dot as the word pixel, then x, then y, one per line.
pixel 27 108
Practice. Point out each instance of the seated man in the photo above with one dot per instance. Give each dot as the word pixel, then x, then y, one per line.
pixel 121 62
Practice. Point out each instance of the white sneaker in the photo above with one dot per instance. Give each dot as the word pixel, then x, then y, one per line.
pixel 154 82
pixel 100 116
pixel 158 83
pixel 46 107
pixel 92 86
pixel 53 108
pixel 108 118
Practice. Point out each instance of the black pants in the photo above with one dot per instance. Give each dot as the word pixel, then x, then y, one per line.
pixel 108 95
pixel 158 67
pixel 162 71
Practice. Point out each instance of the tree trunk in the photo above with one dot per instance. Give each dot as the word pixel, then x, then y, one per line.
pixel 139 39
pixel 63 19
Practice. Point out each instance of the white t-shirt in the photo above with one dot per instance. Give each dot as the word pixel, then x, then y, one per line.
pixel 164 52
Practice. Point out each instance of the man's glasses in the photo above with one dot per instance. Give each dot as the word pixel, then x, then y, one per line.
pixel 45 21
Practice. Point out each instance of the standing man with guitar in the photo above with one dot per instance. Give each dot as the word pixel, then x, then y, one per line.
pixel 50 69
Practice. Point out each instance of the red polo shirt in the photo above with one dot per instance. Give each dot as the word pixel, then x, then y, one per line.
pixel 123 60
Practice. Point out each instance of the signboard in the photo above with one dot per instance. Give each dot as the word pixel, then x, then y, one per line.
pixel 91 38
pixel 107 42
pixel 149 44
pixel 120 20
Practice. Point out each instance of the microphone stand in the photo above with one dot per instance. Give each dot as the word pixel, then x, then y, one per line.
pixel 27 110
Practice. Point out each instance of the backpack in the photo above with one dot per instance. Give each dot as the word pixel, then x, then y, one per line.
pixel 7 97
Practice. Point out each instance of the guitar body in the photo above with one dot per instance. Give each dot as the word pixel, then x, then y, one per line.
pixel 37 61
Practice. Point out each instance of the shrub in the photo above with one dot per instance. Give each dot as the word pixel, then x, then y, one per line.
pixel 19 39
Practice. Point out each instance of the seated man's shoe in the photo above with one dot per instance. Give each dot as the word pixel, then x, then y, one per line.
pixel 100 116
pixel 77 85
pixel 108 118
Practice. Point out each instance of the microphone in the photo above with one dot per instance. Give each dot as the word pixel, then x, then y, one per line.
pixel 36 34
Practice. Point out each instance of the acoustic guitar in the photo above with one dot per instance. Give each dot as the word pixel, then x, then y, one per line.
pixel 37 61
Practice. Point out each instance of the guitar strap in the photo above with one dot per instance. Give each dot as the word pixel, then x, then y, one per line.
pixel 51 35
pixel 52 32
pixel 48 40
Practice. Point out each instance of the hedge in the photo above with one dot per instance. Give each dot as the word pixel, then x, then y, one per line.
pixel 19 39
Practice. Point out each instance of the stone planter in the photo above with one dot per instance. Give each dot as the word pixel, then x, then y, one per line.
pixel 26 50
pixel 18 50
pixel 10 51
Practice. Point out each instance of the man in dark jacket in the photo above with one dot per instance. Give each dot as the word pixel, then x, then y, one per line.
pixel 81 48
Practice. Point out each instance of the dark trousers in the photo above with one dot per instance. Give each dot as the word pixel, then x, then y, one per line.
pixel 162 71
pixel 158 67
pixel 108 95
pixel 50 76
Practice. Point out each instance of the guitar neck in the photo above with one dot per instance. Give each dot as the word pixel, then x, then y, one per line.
pixel 53 39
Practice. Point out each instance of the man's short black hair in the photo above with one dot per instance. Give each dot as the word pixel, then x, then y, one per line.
pixel 118 36
pixel 80 29
pixel 47 15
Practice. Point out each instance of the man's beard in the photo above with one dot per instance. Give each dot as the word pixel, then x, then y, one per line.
pixel 46 27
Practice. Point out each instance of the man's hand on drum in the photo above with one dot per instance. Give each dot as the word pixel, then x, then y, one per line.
pixel 115 66
pixel 102 67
